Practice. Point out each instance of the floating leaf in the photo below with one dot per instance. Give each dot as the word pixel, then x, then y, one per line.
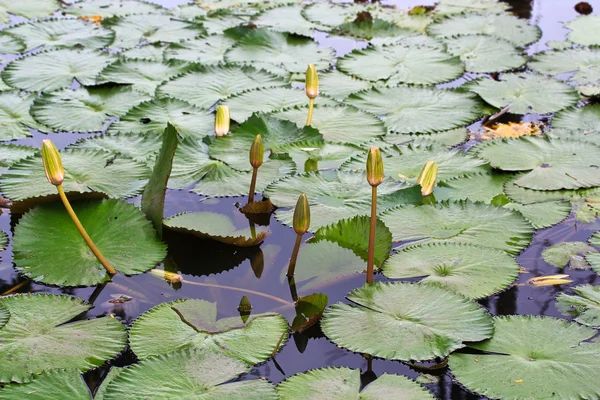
pixel 463 222
pixel 583 120
pixel 543 215
pixel 29 9
pixel 530 350
pixel 460 6
pixel 119 229
pixel 472 271
pixel 309 310
pixel 53 384
pixel 208 51
pixel 481 187
pixel 150 52
pixel 332 14
pixel 345 383
pixel 593 258
pixel 39 336
pixel 14 114
pixel 584 305
pixel 138 147
pixel 161 330
pixel 338 85
pixel 312 156
pixel 418 110
pixel 288 19
pixel 585 63
pixel 482 53
pixel 10 154
pixel 10 44
pixel 111 8
pixel 449 138
pixel 584 30
pixel 552 163
pixel 367 27
pixel 216 226
pixel 403 321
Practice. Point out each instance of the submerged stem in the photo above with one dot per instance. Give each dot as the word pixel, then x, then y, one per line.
pixel 371 254
pixel 292 265
pixel 311 104
pixel 252 185
pixel 109 268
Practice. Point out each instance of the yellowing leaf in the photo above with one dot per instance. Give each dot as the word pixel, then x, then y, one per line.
pixel 97 19
pixel 511 130
pixel 549 280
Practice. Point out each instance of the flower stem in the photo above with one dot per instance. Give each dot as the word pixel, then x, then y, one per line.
pixel 252 186
pixel 311 104
pixel 109 268
pixel 268 296
pixel 371 254
pixel 292 264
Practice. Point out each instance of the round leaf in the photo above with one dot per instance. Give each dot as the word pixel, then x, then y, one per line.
pixel 110 8
pixel 338 85
pixel 14 114
pixel 584 30
pixel 584 305
pixel 49 385
pixel 29 9
pixel 585 63
pixel 288 19
pixel 585 120
pixel 208 51
pixel 482 53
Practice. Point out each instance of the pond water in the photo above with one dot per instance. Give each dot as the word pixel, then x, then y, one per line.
pixel 260 268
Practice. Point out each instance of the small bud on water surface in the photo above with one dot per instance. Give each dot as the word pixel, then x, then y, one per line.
pixel 374 167
pixel 222 121
pixel 52 163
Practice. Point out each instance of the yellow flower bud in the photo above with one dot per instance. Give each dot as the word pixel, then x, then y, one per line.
pixel 427 177
pixel 311 84
pixel 222 121
pixel 257 152
pixel 52 163
pixel 302 215
pixel 374 167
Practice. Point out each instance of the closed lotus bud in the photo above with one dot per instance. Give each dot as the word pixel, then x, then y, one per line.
pixel 222 121
pixel 427 177
pixel 374 167
pixel 257 152
pixel 311 83
pixel 52 163
pixel 302 215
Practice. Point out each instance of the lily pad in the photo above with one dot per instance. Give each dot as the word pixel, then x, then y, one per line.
pixel 463 222
pixel 482 53
pixel 584 305
pixel 449 138
pixel 571 254
pixel 418 110
pixel 584 63
pixel 53 384
pixel 39 336
pixel 149 52
pixel 119 229
pixel 584 120
pixel 14 114
pixel 543 215
pixel 332 14
pixel 521 360
pixel 55 70
pixel 594 257
pixel 369 28
pixel 479 187
pixel 29 9
pixel 460 267
pixel 552 163
pixel 111 8
pixel 338 85
pixel 345 383
pixel 526 93
pixel 216 226
pixel 584 30
pixel 85 171
pixel 138 147
pixel 10 154
pixel 288 19
pixel 85 109
pixel 10 44
pixel 161 330
pixel 403 321
pixel 461 6
pixel 193 373
pixel 208 51
pixel 312 156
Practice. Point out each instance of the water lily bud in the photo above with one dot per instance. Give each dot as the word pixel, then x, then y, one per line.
pixel 311 83
pixel 257 152
pixel 374 167
pixel 52 163
pixel 311 165
pixel 222 121
pixel 427 177
pixel 302 215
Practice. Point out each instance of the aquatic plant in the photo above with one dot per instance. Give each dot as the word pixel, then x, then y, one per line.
pixel 311 87
pixel 257 154
pixel 374 177
pixel 301 225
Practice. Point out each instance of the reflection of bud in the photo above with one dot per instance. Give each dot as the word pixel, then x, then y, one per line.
pixel 427 177
pixel 374 167
pixel 302 215
pixel 257 152
pixel 311 165
pixel 311 83
pixel 52 163
pixel 222 121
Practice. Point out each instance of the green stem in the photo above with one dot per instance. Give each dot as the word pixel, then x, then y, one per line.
pixel 109 268
pixel 252 186
pixel 371 255
pixel 311 104
pixel 292 264
pixel 293 291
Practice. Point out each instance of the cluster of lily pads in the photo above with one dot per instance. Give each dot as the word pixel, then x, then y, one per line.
pixel 146 82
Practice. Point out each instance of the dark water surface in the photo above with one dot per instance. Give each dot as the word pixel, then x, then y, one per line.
pixel 260 269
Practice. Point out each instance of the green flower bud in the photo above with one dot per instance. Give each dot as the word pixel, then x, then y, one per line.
pixel 374 167
pixel 311 84
pixel 222 121
pixel 311 165
pixel 427 177
pixel 257 152
pixel 302 215
pixel 52 163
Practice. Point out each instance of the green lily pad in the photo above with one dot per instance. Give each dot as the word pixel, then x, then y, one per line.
pixel 521 360
pixel 312 156
pixel 48 385
pixel 449 138
pixel 503 26
pixel 479 187
pixel 4 316
pixel 463 222
pixel 55 70
pixel 10 44
pixel 85 172
pixel 345 383
pixel 222 21
pixel 403 18
pixel 192 373
pixel 527 196
pixel 584 30
pixel 291 52
pixel 543 215
pixel 29 9
pixel 526 93
pixel 570 254
pixel 332 14
pixel 216 226
pixel 39 336
pixel 482 53
pixel 217 83
pixel 593 258
pixel 552 163
pixel 61 33
pixel 10 154
pixel 418 110
pixel 583 120
pixel 288 19
pixel 208 51
pixel 14 114
pixel 585 63
pixel 403 321
pixel 457 266
pixel 119 230
pixel 161 330
pixel 584 305
pixel 151 118
pixel 370 28
pixel 353 234
pixel 138 147
pixel 461 6
pixel 149 52
pixel 111 8
pixel 85 109
pixel 405 62
pixel 339 86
